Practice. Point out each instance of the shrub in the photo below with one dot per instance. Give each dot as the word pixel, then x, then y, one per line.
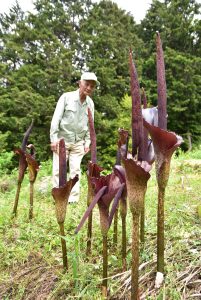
pixel 6 162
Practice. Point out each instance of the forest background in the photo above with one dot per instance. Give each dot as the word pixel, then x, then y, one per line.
pixel 43 55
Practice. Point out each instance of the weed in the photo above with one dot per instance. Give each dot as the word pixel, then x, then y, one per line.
pixel 30 252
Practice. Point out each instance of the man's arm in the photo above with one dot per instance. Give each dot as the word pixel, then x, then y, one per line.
pixel 55 123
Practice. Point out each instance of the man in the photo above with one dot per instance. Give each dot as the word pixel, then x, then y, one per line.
pixel 70 121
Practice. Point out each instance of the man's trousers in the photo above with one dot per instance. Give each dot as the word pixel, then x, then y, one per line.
pixel 74 154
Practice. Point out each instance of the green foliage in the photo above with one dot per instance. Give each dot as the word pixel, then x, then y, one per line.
pixel 124 117
pixel 102 38
pixel 43 54
pixel 194 154
pixel 177 21
pixel 32 251
pixel 6 162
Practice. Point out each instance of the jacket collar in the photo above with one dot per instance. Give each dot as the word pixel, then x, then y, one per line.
pixel 86 102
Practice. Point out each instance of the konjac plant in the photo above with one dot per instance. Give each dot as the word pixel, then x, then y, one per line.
pixel 93 171
pixel 33 168
pixel 61 195
pixel 105 189
pixel 22 165
pixel 165 143
pixel 137 168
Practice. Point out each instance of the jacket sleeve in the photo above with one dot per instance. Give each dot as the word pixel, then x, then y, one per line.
pixel 87 136
pixel 56 119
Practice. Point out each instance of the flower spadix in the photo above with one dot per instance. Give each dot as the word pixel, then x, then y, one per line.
pixel 61 193
pixel 22 165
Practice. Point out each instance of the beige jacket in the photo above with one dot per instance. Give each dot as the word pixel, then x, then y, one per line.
pixel 70 119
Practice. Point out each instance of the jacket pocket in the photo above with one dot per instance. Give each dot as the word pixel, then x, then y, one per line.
pixel 68 119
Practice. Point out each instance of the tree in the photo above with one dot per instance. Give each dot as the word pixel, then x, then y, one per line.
pixel 37 67
pixel 176 20
pixel 106 36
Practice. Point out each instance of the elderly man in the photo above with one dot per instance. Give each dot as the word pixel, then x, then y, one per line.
pixel 70 121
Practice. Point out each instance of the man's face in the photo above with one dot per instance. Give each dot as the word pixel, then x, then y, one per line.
pixel 87 87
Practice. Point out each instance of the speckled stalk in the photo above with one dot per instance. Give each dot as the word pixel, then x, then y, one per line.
pixel 89 234
pixel 62 163
pixel 22 165
pixel 33 170
pixel 90 196
pixel 135 258
pixel 63 245
pixel 90 173
pixel 90 219
pixel 142 221
pixel 93 170
pixel 165 143
pixel 61 195
pixel 105 264
pixel 160 231
pixel 123 213
pixel 136 122
pixel 123 250
pixel 19 183
pixel 161 84
pixel 92 137
pixel 31 200
pixel 115 229
pixel 21 170
pixel 136 182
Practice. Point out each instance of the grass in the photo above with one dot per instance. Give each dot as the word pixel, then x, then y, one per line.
pixel 31 257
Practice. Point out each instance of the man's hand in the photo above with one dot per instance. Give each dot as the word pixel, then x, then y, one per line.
pixel 54 146
pixel 86 149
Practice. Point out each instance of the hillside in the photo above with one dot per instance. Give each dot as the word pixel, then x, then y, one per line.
pixel 31 257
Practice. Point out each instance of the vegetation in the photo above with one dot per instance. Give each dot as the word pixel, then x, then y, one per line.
pixel 43 54
pixel 31 255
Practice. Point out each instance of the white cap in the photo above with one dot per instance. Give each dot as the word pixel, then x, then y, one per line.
pixel 89 76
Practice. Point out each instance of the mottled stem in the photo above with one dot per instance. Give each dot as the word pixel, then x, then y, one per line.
pixel 63 244
pixel 62 163
pixel 89 234
pixel 105 263
pixel 118 157
pixel 135 258
pixel 136 121
pixel 160 231
pixel 161 84
pixel 115 232
pixel 17 198
pixel 92 137
pixel 31 200
pixel 142 224
pixel 123 250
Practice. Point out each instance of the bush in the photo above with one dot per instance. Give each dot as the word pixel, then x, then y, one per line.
pixel 194 154
pixel 6 162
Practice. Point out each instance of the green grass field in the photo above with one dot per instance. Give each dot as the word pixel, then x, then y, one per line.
pixel 31 257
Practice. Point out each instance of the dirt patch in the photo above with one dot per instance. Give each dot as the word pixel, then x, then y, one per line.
pixel 35 280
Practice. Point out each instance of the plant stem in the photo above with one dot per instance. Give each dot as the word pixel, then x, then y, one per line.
pixel 160 231
pixel 63 244
pixel 142 221
pixel 124 243
pixel 105 262
pixel 115 232
pixel 89 234
pixel 31 201
pixel 17 198
pixel 135 257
